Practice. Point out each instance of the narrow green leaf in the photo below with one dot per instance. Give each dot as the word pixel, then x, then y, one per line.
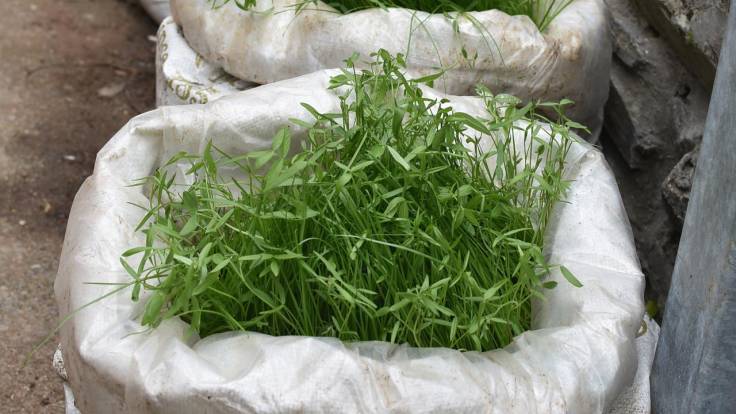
pixel 570 277
pixel 153 308
pixel 398 158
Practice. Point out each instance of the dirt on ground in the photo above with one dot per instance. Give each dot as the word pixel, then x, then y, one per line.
pixel 72 72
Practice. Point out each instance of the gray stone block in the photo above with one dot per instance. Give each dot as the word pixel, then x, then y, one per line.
pixel 656 105
pixel 655 115
pixel 694 28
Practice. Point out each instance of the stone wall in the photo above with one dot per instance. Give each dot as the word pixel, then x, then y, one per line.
pixel 665 54
pixel 693 27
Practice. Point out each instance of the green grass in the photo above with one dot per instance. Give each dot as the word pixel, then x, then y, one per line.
pixel 542 12
pixel 384 226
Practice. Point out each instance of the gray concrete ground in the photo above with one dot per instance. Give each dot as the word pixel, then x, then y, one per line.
pixel 72 72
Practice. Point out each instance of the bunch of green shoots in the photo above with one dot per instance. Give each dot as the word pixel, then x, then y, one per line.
pixel 389 224
pixel 542 12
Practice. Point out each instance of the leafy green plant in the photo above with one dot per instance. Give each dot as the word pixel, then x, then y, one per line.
pixel 542 12
pixel 395 221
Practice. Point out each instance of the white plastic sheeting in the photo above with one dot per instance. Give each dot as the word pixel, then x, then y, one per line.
pixel 579 356
pixel 183 76
pixel 571 59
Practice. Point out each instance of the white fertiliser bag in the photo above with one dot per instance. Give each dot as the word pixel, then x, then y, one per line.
pixel 579 356
pixel 183 76
pixel 634 399
pixel 508 54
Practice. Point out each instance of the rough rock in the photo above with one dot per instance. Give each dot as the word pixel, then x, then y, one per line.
pixel 694 28
pixel 654 116
pixel 655 101
pixel 677 185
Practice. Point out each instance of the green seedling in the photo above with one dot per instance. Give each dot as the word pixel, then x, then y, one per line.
pixel 397 219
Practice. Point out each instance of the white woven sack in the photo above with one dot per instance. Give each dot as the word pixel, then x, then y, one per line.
pixel 571 59
pixel 183 76
pixel 634 399
pixel 578 357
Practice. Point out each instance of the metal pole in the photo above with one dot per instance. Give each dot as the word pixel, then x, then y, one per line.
pixel 695 364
